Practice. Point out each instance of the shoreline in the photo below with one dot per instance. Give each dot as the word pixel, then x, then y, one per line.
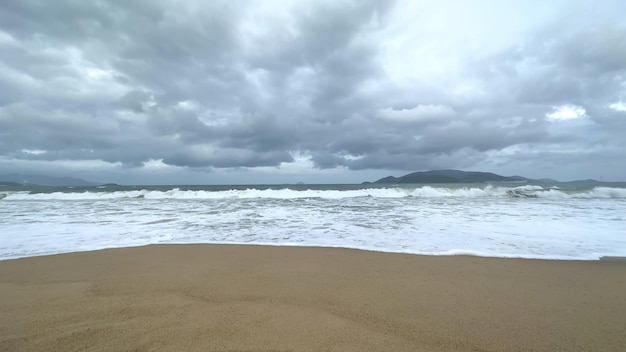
pixel 453 253
pixel 251 297
pixel 613 258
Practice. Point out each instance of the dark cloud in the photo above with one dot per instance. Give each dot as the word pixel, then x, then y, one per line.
pixel 135 101
pixel 247 84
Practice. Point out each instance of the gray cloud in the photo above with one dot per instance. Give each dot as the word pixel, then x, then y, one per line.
pixel 241 85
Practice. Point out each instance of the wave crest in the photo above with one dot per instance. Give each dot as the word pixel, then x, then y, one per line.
pixel 527 191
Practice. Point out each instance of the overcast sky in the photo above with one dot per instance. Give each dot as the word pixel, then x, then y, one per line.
pixel 160 91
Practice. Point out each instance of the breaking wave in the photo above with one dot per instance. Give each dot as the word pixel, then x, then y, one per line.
pixel 540 192
pixel 527 191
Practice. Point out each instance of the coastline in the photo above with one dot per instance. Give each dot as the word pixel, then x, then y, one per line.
pixel 255 298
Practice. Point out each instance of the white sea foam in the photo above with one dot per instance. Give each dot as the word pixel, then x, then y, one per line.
pixel 526 191
pixel 526 221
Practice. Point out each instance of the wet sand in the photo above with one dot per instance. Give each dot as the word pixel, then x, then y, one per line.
pixel 252 298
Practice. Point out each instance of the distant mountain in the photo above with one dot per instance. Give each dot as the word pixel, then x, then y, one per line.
pixel 451 176
pixel 546 180
pixel 3 183
pixel 42 180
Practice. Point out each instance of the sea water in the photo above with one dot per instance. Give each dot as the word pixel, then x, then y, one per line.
pixel 497 220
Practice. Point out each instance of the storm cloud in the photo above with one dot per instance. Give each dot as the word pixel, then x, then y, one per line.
pixel 312 88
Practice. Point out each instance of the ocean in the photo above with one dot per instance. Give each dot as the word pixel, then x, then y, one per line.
pixel 494 220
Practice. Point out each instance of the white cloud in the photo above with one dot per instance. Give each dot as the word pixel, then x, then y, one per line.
pixel 417 114
pixel 156 164
pixel 34 151
pixel 189 105
pixel 6 38
pixel 618 106
pixel 566 112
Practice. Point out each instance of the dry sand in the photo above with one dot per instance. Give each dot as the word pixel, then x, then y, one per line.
pixel 250 298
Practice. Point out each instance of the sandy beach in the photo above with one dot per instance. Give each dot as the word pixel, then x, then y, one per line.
pixel 254 298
